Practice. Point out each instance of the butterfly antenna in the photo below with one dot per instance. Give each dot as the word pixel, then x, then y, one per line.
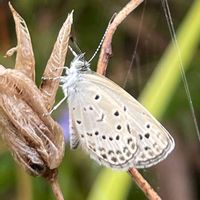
pixel 101 42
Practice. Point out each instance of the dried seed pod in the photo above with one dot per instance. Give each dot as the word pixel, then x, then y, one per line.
pixel 35 139
pixel 23 153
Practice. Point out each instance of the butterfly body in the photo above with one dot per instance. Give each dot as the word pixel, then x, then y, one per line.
pixel 109 124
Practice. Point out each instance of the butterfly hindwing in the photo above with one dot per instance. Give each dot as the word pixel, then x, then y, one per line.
pixel 115 129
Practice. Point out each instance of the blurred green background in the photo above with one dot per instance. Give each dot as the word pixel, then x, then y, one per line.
pixel 154 78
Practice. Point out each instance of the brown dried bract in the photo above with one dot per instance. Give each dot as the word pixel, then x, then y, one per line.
pixel 35 139
pixel 25 60
pixel 55 64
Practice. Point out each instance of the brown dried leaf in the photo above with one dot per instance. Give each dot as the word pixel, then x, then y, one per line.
pixel 25 60
pixel 55 63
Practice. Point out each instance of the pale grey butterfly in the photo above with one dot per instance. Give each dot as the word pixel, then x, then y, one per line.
pixel 109 124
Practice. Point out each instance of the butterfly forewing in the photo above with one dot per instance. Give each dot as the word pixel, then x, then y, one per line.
pixel 94 125
pixel 115 129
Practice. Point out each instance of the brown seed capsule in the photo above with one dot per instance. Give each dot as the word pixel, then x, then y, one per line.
pixel 34 138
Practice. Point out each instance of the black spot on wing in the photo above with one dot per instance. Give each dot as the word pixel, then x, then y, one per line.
pixel 78 121
pixel 104 156
pixel 114 159
pixel 110 138
pixel 101 119
pixel 117 137
pixel 129 140
pixel 103 137
pixel 97 97
pixel 148 126
pixel 128 128
pixel 96 133
pixel 90 108
pixel 147 135
pixel 119 127
pixel 116 113
pixel 89 134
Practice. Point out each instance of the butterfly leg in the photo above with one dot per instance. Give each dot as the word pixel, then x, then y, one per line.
pixel 56 106
pixel 59 103
pixel 51 78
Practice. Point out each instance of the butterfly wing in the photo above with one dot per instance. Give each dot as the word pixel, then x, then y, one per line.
pixel 114 128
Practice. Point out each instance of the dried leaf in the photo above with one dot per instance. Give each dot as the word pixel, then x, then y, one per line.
pixel 25 60
pixel 55 63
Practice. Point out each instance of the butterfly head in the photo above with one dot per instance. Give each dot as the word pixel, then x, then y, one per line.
pixel 79 63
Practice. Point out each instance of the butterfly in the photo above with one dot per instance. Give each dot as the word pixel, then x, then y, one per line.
pixel 109 124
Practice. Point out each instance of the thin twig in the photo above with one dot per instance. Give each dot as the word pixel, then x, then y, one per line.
pixel 52 179
pixel 56 190
pixel 143 184
pixel 106 52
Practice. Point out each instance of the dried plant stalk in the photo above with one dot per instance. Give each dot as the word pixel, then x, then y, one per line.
pixel 106 50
